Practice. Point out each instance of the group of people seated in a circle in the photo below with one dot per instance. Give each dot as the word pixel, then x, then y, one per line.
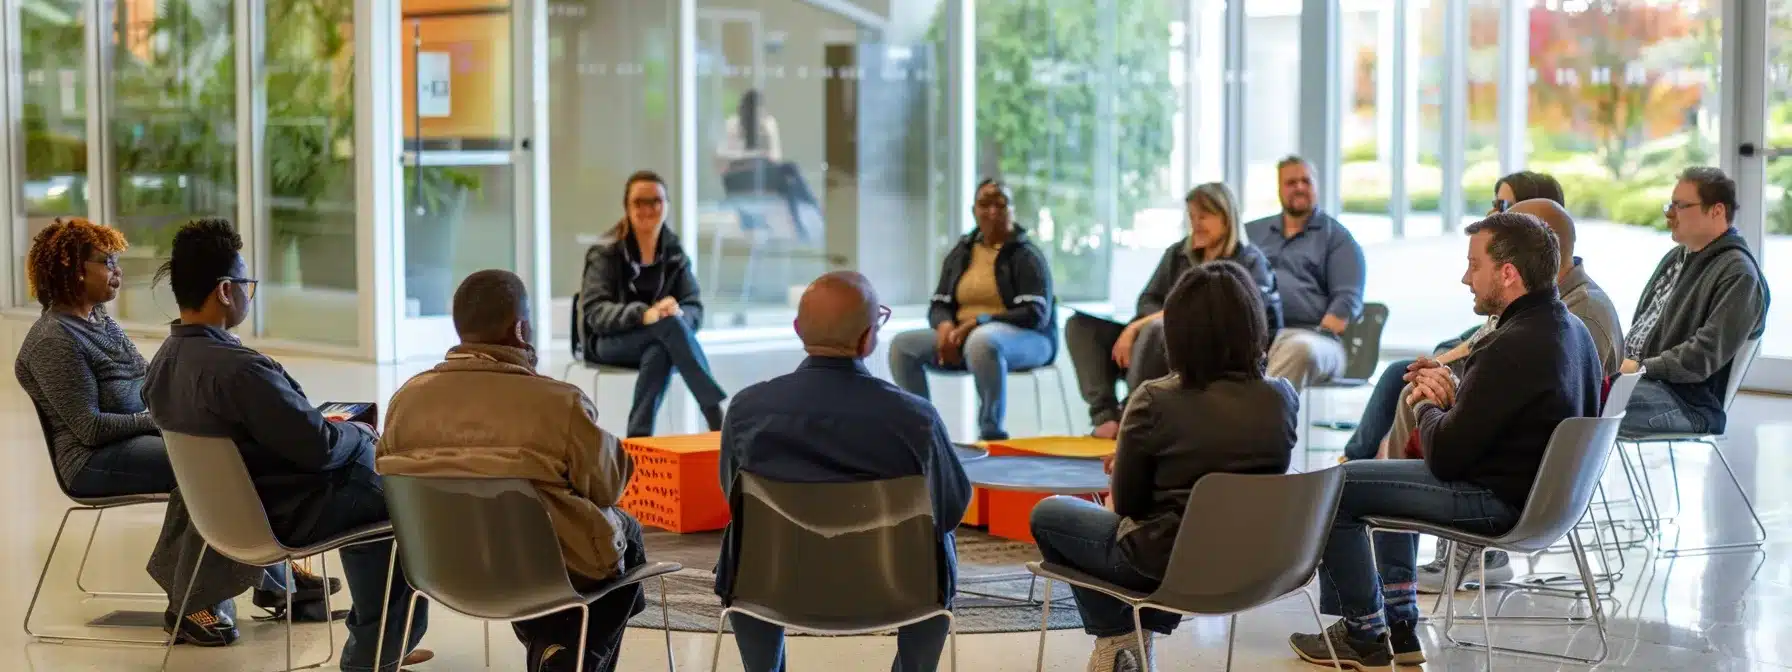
pixel 1237 318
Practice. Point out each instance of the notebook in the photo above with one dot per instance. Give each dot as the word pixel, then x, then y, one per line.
pixel 350 411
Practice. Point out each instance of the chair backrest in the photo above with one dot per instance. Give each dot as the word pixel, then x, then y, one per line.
pixel 1272 527
pixel 578 329
pixel 221 499
pixel 43 423
pixel 1572 465
pixel 1618 396
pixel 1362 342
pixel 1739 366
pixel 484 547
pixel 821 554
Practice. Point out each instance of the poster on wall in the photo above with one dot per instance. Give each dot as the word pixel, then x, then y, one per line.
pixel 433 99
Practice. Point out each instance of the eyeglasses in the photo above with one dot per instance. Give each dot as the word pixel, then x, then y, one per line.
pixel 248 285
pixel 648 202
pixel 1501 205
pixel 110 261
pixel 1671 206
pixel 883 316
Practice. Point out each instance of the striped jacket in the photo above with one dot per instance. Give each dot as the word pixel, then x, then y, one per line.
pixel 1023 278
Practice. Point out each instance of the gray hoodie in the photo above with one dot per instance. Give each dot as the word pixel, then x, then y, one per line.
pixel 1719 302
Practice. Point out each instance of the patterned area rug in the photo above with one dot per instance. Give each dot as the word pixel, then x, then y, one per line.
pixel 989 565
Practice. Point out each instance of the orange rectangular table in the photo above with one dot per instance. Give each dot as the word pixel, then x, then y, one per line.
pixel 676 485
pixel 1009 514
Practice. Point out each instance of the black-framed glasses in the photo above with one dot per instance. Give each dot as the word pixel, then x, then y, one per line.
pixel 883 316
pixel 1501 205
pixel 248 285
pixel 1671 206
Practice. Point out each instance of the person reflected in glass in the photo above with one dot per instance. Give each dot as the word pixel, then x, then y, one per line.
pixel 1103 351
pixel 1216 412
pixel 641 307
pixel 991 314
pixel 751 159
pixel 85 378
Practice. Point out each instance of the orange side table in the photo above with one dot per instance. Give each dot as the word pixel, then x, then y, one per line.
pixel 675 486
pixel 1009 513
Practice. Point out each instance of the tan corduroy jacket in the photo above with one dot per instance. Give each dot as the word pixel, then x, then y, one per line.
pixel 485 412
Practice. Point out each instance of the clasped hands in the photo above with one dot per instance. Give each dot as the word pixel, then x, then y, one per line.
pixel 949 341
pixel 1431 382
pixel 662 309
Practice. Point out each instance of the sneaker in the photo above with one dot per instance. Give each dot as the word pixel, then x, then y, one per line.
pixel 1353 653
pixel 1403 638
pixel 205 627
pixel 1499 570
pixel 1121 654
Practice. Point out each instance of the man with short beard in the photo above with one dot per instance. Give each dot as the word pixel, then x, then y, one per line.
pixel 1319 270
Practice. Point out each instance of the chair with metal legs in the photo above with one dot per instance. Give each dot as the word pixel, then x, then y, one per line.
pixel 227 512
pixel 486 548
pixel 836 558
pixel 99 505
pixel 1274 529
pixel 578 361
pixel 1739 367
pixel 1560 496
pixel 1362 353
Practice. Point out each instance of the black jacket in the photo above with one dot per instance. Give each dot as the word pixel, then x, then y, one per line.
pixel 1177 260
pixel 1023 278
pixel 1171 436
pixel 1538 369
pixel 608 302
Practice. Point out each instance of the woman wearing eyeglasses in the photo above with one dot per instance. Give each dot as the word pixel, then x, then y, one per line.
pixel 641 309
pixel 991 314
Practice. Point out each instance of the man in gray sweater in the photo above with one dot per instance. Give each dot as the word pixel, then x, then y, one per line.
pixel 1706 299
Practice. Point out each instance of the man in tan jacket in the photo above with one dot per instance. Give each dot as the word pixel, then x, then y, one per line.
pixel 485 412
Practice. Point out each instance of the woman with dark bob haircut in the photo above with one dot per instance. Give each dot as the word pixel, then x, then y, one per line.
pixel 1214 413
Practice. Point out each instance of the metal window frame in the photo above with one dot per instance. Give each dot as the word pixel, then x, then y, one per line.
pixel 1320 105
pixel 1453 150
pixel 1514 88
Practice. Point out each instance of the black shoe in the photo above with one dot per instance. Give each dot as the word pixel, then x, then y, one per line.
pixel 713 416
pixel 1404 639
pixel 205 627
pixel 309 588
pixel 1356 654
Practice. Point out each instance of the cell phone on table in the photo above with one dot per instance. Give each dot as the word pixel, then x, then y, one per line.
pixel 350 411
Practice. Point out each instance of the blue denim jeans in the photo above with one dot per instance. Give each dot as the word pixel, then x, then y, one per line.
pixel 1348 584
pixel 1378 414
pixel 761 644
pixel 1081 535
pixel 656 351
pixel 1653 409
pixel 990 353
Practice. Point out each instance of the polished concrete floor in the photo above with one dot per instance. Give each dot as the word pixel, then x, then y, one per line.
pixel 1716 613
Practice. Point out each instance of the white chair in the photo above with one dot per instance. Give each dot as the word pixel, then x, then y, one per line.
pixel 598 371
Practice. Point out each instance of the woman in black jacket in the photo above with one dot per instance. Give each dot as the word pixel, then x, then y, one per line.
pixel 1215 413
pixel 640 307
pixel 991 314
pixel 1103 350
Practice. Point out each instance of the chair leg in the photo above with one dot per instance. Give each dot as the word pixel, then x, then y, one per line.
pixel 323 562
pixel 1317 620
pixel 174 634
pixel 1138 629
pixel 1486 609
pixel 666 623
pixel 1039 400
pixel 405 637
pixel 50 557
pixel 715 656
pixel 488 643
pixel 584 631
pixel 1760 530
pixel 288 593
pixel 379 646
pixel 86 550
pixel 1045 618
pixel 1232 639
pixel 952 639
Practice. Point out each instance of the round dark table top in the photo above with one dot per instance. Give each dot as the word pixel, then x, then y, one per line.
pixel 1052 475
pixel 969 451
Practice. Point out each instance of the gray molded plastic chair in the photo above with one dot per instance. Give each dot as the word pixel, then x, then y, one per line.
pixel 578 354
pixel 486 548
pixel 1275 527
pixel 98 505
pixel 836 558
pixel 1561 495
pixel 1362 353
pixel 1739 367
pixel 222 502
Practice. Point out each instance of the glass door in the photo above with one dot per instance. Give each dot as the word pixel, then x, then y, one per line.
pixel 463 61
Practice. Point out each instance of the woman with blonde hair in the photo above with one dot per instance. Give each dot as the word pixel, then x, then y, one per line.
pixel 1104 351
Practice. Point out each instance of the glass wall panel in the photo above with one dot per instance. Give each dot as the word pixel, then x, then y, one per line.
pixel 309 281
pixel 1776 258
pixel 171 133
pixel 1624 95
pixel 1272 95
pixel 53 88
pixel 1077 112
pixel 815 151
pixel 611 85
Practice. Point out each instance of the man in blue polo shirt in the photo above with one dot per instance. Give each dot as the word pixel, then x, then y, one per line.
pixel 1319 269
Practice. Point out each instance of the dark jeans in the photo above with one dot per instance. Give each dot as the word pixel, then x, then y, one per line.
pixel 1091 340
pixel 1378 414
pixel 758 174
pixel 359 499
pixel 1349 585
pixel 761 644
pixel 657 350
pixel 1081 535
pixel 609 618
pixel 134 466
pixel 1653 409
